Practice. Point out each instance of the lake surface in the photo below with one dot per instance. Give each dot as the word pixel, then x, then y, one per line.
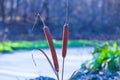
pixel 19 65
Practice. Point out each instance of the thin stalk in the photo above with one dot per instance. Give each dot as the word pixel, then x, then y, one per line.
pixel 42 20
pixel 36 18
pixel 38 15
pixel 58 75
pixel 67 6
pixel 47 60
pixel 63 68
pixel 34 60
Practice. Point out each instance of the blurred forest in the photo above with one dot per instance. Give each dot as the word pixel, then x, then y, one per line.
pixel 88 19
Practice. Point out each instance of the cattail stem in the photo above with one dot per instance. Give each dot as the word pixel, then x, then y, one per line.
pixel 67 12
pixel 63 68
pixel 58 76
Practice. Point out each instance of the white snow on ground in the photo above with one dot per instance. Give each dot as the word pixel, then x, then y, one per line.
pixel 19 64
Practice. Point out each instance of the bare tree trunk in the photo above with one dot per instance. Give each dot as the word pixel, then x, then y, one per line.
pixel 17 8
pixel 25 10
pixel 2 10
pixel 11 10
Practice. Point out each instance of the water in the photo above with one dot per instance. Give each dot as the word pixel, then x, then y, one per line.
pixel 19 64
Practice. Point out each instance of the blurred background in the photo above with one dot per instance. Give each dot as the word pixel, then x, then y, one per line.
pixel 91 24
pixel 88 19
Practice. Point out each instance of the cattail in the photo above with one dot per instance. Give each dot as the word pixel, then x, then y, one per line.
pixel 51 45
pixel 64 47
pixel 65 40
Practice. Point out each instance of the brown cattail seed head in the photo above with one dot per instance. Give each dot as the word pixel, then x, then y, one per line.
pixel 65 40
pixel 51 45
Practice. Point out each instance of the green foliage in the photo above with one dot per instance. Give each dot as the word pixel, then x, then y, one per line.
pixel 105 58
pixel 10 46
